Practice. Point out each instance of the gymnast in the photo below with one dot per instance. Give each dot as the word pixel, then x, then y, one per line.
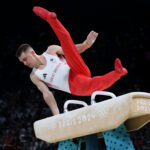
pixel 69 74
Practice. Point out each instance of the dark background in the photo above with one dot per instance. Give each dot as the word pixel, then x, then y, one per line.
pixel 123 28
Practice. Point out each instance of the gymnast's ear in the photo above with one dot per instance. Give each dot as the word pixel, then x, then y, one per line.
pixel 33 52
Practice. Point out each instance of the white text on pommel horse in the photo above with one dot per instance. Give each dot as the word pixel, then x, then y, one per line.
pixel 79 119
pixel 143 105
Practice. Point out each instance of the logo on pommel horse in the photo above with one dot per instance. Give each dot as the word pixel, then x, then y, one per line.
pixel 143 105
pixel 83 118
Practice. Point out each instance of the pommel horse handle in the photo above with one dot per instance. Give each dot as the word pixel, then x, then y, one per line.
pixel 73 102
pixel 94 94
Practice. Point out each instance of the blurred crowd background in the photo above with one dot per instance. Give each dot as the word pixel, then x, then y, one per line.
pixel 124 32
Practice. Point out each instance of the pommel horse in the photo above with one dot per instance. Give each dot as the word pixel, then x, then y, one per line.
pixel 132 109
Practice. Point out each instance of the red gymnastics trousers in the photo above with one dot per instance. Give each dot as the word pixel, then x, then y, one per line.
pixel 80 81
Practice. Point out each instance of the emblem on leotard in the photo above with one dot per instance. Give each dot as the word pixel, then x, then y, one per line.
pixel 44 75
pixel 52 60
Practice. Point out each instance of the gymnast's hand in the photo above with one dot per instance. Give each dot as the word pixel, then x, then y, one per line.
pixel 91 38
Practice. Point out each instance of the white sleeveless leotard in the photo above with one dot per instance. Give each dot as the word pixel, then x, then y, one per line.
pixel 55 74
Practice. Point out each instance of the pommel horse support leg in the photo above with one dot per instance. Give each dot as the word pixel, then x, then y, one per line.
pixel 118 138
pixel 132 108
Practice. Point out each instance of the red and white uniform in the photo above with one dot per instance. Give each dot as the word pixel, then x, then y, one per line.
pixel 80 81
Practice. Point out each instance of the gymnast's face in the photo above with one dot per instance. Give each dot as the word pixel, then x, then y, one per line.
pixel 28 58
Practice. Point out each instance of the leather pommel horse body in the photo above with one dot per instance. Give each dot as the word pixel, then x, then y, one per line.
pixel 133 109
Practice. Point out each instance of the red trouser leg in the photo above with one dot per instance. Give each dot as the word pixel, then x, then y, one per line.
pixel 80 82
pixel 73 58
pixel 84 86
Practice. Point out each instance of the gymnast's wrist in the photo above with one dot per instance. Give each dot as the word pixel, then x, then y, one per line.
pixel 86 44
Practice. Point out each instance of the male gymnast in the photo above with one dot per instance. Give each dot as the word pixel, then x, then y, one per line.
pixel 70 74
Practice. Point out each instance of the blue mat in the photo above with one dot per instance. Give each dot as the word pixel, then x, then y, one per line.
pixel 118 139
pixel 69 145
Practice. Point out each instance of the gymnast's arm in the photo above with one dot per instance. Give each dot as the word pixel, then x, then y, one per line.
pixel 91 38
pixel 47 94
pixel 55 49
